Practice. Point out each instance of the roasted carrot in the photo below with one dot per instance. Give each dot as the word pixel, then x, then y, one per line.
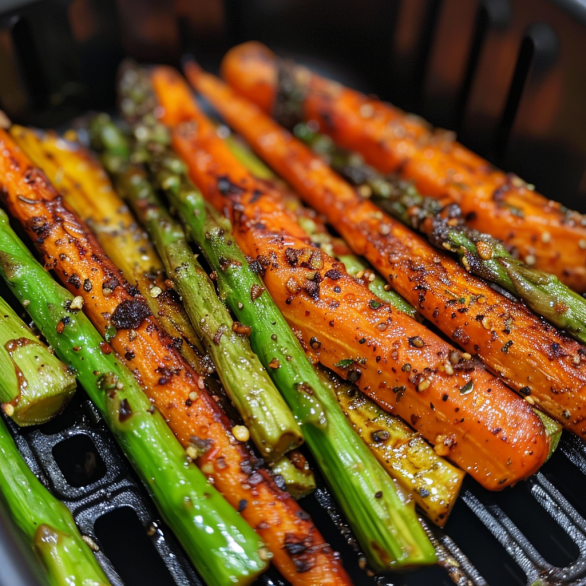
pixel 120 313
pixel 543 232
pixel 530 355
pixel 469 415
pixel 87 190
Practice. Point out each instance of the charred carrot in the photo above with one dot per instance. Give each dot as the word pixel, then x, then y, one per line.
pixel 469 415
pixel 121 315
pixel 87 190
pixel 544 233
pixel 545 366
pixel 385 526
pixel 445 228
pixel 270 422
pixel 306 217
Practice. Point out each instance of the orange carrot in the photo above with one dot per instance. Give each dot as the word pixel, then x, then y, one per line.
pixel 542 231
pixel 527 353
pixel 469 415
pixel 120 314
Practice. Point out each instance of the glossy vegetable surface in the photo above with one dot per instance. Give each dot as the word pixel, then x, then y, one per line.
pixel 34 384
pixel 269 420
pixel 221 545
pixel 177 391
pixel 530 355
pixel 543 232
pixel 86 189
pixel 468 414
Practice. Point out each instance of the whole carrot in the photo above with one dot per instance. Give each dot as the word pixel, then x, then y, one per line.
pixel 544 233
pixel 469 415
pixel 533 357
pixel 120 314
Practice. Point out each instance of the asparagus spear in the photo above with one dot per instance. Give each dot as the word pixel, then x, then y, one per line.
pixel 387 528
pixel 88 191
pixel 354 264
pixel 34 384
pixel 223 548
pixel 445 227
pixel 405 455
pixel 265 413
pixel 45 522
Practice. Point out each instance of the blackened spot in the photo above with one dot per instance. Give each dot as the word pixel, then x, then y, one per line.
pixel 333 274
pixel 130 314
pixel 312 289
pixel 87 285
pixel 125 410
pixel 110 284
pixel 74 280
pixel 292 256
pixel 226 187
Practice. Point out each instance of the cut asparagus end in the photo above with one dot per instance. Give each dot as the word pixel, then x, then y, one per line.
pixel 296 473
pixel 63 557
pixel 553 430
pixel 34 384
pixel 46 523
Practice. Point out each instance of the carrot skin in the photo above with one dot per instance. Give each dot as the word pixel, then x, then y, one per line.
pixel 524 351
pixel 343 321
pixel 73 253
pixel 493 201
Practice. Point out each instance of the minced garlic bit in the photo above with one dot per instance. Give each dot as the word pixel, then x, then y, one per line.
pixel 530 260
pixel 264 554
pixel 77 302
pixel 155 291
pixel 90 542
pixel 26 302
pixel 192 396
pixel 241 433
pixel 207 468
pixel 8 409
pixel 191 452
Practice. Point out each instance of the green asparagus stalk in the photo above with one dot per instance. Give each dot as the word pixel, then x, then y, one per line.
pixel 355 265
pixel 386 527
pixel 34 384
pixel 45 522
pixel 222 547
pixel 445 227
pixel 270 421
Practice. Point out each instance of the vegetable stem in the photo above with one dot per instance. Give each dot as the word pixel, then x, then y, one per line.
pixel 265 413
pixel 221 545
pixel 34 384
pixel 45 522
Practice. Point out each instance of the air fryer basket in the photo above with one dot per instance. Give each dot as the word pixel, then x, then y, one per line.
pixel 508 75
